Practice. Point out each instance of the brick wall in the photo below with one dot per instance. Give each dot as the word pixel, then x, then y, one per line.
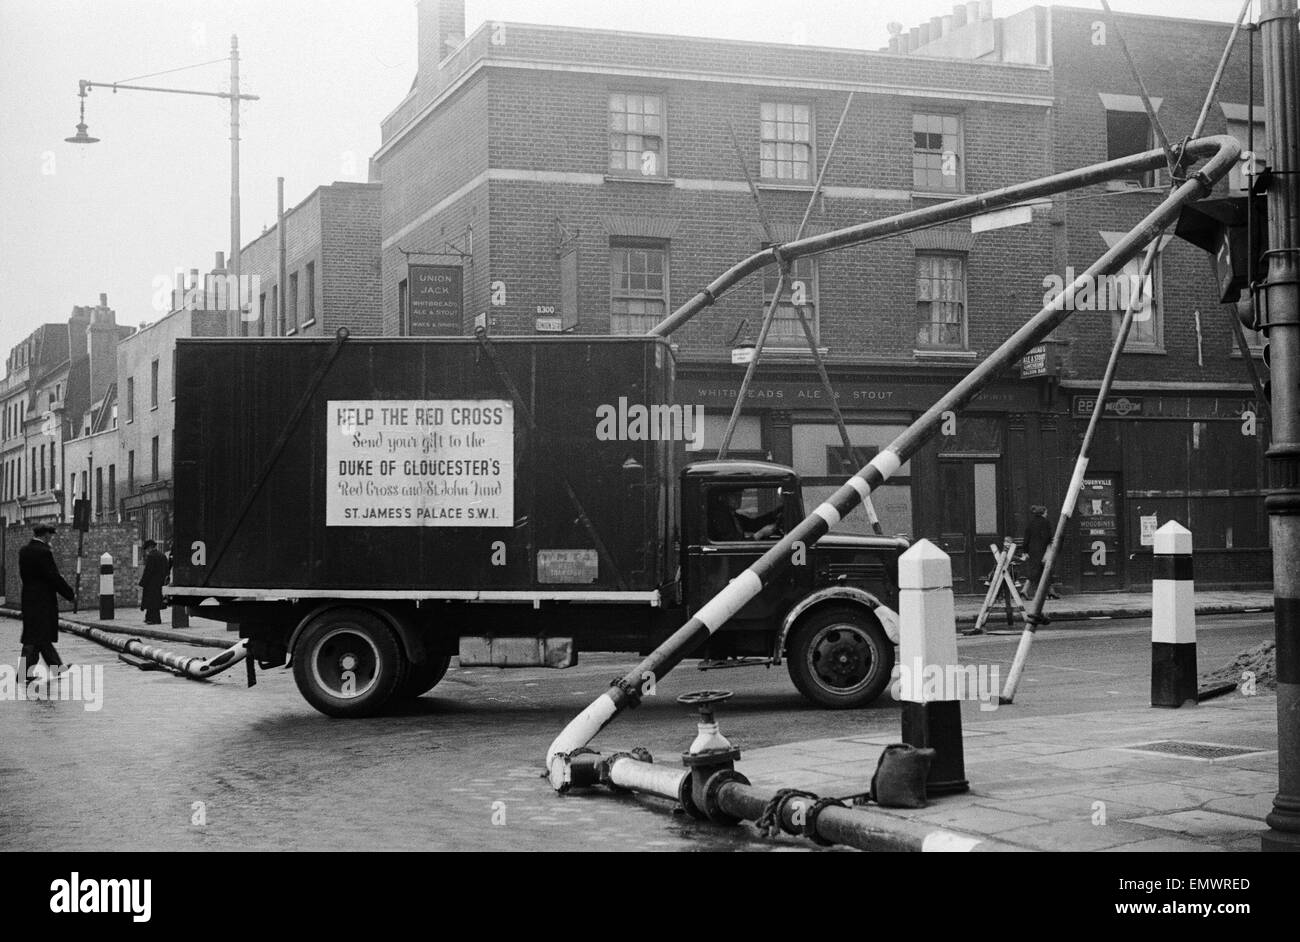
pixel 1178 59
pixel 114 538
pixel 348 276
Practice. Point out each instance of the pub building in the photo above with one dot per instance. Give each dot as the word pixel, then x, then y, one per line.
pixel 590 181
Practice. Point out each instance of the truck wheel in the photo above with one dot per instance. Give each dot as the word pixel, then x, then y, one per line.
pixel 422 678
pixel 840 658
pixel 348 663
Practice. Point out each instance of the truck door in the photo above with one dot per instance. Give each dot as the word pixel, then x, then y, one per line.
pixel 741 523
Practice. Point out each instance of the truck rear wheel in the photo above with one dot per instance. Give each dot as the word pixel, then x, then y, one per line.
pixel 348 663
pixel 840 658
pixel 422 678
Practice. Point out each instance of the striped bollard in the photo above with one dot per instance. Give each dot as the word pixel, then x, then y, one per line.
pixel 928 642
pixel 106 587
pixel 1173 619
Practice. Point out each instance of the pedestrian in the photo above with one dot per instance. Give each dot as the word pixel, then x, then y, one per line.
pixel 42 585
pixel 1038 537
pixel 152 580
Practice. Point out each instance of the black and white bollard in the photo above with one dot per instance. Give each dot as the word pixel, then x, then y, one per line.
pixel 106 587
pixel 1173 619
pixel 928 644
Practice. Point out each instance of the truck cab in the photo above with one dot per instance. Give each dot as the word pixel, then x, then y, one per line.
pixel 832 616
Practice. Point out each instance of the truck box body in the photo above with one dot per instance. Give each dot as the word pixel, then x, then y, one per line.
pixel 408 465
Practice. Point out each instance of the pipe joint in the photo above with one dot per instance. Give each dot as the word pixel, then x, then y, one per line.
pixel 706 793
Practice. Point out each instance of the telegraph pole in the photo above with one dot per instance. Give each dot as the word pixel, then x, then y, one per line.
pixel 240 325
pixel 1280 320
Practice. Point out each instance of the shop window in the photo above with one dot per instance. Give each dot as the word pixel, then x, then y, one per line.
pixel 746 439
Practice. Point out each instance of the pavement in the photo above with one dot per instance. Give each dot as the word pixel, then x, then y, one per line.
pixel 1073 782
pixel 1097 605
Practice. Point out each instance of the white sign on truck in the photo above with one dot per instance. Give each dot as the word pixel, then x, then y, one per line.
pixel 420 463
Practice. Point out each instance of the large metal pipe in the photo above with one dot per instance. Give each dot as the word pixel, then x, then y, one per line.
pixel 626 691
pixel 931 216
pixel 195 668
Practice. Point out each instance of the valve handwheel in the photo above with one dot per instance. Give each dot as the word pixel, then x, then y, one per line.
pixel 705 698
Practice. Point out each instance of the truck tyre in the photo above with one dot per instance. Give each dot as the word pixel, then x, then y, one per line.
pixel 348 663
pixel 422 678
pixel 839 657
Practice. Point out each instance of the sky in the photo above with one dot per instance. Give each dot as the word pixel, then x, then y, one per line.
pixel 154 195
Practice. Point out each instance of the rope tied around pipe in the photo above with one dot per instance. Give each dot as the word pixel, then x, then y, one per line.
pixel 769 822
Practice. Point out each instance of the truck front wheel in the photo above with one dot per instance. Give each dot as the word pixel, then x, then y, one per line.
pixel 348 663
pixel 840 658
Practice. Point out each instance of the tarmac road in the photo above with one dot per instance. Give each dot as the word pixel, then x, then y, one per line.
pixel 169 764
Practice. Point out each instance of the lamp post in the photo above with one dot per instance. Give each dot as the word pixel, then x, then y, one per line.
pixel 234 97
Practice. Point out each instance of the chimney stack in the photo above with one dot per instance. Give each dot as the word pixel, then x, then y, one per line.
pixel 101 344
pixel 440 27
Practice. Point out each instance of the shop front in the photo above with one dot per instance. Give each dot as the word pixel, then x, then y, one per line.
pixel 1196 458
pixel 968 488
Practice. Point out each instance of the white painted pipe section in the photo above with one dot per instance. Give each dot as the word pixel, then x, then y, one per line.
pixel 661 780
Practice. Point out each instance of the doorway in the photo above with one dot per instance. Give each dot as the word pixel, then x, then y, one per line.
pixel 970 518
pixel 1101 563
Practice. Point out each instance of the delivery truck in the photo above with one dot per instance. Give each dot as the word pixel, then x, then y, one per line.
pixel 363 510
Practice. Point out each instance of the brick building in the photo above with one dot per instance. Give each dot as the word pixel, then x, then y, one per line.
pixel 59 386
pixel 587 180
pixel 331 264
pixel 1182 445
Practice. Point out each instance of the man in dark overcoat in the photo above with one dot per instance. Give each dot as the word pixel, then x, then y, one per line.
pixel 152 580
pixel 42 585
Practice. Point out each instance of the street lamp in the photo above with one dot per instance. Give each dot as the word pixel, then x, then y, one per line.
pixel 234 97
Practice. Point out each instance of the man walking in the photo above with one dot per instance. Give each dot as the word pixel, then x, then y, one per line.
pixel 42 585
pixel 156 567
pixel 1038 537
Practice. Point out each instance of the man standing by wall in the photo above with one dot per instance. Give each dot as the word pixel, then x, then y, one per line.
pixel 42 585
pixel 152 580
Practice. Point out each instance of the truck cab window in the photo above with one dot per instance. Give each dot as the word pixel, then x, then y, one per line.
pixel 744 513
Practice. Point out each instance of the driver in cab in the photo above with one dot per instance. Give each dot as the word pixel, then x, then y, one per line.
pixel 728 524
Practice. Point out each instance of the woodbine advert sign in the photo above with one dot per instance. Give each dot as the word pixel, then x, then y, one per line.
pixel 420 463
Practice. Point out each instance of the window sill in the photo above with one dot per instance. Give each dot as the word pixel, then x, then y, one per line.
pixel 153 408
pixel 1256 353
pixel 780 185
pixel 937 194
pixel 945 354
pixel 305 324
pixel 1145 351
pixel 638 178
pixel 291 331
